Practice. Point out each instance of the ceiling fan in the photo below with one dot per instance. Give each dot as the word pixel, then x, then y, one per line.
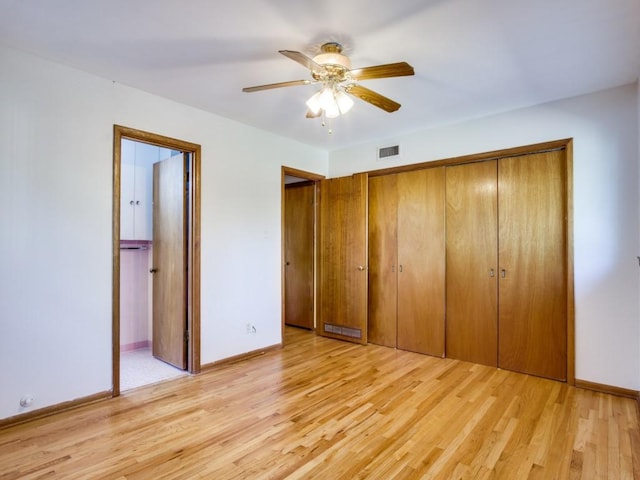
pixel 333 71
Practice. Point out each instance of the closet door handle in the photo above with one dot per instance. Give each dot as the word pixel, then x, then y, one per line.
pixel 503 273
pixel 153 270
pixel 400 268
pixel 362 268
pixel 492 273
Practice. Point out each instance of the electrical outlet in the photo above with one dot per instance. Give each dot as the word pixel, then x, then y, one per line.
pixel 26 401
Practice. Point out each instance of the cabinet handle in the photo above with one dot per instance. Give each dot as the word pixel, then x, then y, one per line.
pixel 137 202
pixel 492 273
pixel 153 270
pixel 362 268
pixel 393 267
pixel 131 202
pixel 400 268
pixel 503 273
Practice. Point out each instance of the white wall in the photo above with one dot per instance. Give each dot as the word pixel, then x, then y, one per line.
pixel 606 215
pixel 56 129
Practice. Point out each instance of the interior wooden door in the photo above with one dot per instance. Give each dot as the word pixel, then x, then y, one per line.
pixel 383 263
pixel 342 311
pixel 472 262
pixel 169 261
pixel 299 211
pixel 421 261
pixel 532 255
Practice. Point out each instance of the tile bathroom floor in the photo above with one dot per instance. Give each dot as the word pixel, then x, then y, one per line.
pixel 139 367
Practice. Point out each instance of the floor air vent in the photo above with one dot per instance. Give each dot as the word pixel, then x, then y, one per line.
pixel 344 331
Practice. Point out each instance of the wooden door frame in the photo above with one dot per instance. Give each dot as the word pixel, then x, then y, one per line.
pixel 313 177
pixel 193 259
pixel 566 144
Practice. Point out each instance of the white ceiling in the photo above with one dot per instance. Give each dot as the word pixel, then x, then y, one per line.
pixel 471 57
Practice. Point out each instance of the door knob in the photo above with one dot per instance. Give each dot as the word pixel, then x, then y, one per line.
pixel 362 267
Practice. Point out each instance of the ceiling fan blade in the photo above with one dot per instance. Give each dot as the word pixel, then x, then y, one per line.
pixel 372 97
pixel 400 69
pixel 276 85
pixel 303 60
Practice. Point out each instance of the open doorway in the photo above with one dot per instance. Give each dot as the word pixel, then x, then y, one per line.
pixel 299 245
pixel 156 258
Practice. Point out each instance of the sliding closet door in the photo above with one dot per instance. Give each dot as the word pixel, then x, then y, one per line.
pixel 421 261
pixel 532 282
pixel 343 258
pixel 472 250
pixel 383 237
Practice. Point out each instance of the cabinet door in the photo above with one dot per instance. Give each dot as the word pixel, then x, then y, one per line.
pixel 343 258
pixel 421 261
pixel 143 229
pixel 472 251
pixel 383 203
pixel 532 282
pixel 299 213
pixel 127 201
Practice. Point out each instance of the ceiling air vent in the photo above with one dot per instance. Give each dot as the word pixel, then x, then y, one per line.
pixel 389 153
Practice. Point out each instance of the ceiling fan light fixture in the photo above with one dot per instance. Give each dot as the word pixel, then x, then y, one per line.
pixel 343 101
pixel 331 101
pixel 314 103
pixel 332 110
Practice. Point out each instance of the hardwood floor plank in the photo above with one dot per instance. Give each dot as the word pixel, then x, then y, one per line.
pixel 325 409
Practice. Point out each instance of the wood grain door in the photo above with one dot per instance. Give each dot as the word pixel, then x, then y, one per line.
pixel 169 261
pixel 472 262
pixel 342 304
pixel 383 260
pixel 532 262
pixel 421 261
pixel 299 212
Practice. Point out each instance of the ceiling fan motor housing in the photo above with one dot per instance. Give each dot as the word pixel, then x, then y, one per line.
pixel 335 64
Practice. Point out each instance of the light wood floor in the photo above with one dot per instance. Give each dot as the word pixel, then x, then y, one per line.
pixel 325 409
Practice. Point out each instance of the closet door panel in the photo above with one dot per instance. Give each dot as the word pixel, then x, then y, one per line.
pixel 343 258
pixel 471 262
pixel 532 282
pixel 383 206
pixel 421 261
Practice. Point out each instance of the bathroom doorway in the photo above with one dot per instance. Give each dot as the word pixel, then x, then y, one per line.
pixel 156 259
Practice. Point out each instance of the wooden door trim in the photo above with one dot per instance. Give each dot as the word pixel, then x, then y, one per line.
pixel 193 295
pixel 567 145
pixel 315 178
